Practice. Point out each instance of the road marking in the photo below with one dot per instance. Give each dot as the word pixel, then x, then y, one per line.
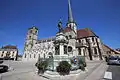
pixel 108 75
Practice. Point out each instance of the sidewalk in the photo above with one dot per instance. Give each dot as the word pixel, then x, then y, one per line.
pixel 94 73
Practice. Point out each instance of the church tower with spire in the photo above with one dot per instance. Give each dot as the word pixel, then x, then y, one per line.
pixel 71 23
pixel 71 32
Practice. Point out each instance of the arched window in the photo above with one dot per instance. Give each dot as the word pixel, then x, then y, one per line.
pixel 2 55
pixel 39 55
pixel 93 39
pixel 35 32
pixel 67 37
pixel 65 49
pixel 57 50
pixel 69 48
pixel 34 55
pixel 29 37
pixel 30 31
pixel 44 56
pixel 12 54
pixel 80 41
pixel 8 54
pixel 50 54
pixel 95 51
pixel 30 55
pixel 25 55
pixel 79 51
pixel 70 36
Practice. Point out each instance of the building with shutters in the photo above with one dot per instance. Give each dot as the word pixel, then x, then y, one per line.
pixel 8 52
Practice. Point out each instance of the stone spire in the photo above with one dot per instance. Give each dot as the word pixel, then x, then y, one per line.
pixel 70 17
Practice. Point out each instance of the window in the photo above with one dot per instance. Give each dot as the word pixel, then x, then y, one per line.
pixel 30 31
pixel 25 55
pixel 57 50
pixel 34 55
pixel 93 39
pixel 50 55
pixel 44 56
pixel 8 54
pixel 30 37
pixel 69 48
pixel 88 40
pixel 65 49
pixel 67 37
pixel 82 41
pixel 70 36
pixel 95 50
pixel 39 55
pixel 2 55
pixel 79 51
pixel 35 32
pixel 79 41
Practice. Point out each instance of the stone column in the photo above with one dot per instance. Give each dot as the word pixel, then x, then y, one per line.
pixel 82 51
pixel 61 49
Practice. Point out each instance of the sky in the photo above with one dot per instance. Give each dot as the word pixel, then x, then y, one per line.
pixel 16 16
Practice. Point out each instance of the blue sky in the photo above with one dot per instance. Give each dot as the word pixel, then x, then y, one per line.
pixel 16 16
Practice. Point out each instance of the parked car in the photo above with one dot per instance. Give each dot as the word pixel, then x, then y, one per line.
pixel 3 68
pixel 1 61
pixel 113 60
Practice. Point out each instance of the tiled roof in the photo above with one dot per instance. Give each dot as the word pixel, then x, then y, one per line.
pixel 81 33
pixel 9 47
pixel 85 33
pixel 67 29
pixel 107 48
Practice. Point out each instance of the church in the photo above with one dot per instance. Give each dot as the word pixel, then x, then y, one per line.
pixel 69 41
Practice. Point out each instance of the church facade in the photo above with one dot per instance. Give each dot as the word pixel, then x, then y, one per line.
pixel 82 42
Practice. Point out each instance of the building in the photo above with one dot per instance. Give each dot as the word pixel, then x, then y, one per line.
pixel 8 52
pixel 83 42
pixel 109 51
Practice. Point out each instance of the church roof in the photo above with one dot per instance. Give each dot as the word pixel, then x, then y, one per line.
pixel 82 33
pixel 67 29
pixel 9 47
pixel 85 33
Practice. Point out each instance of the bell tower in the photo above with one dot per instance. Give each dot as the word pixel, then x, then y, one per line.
pixel 71 22
pixel 31 38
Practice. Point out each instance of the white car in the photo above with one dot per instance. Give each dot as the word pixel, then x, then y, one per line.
pixel 114 60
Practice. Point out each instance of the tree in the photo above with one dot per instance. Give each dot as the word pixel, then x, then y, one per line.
pixel 42 66
pixel 63 68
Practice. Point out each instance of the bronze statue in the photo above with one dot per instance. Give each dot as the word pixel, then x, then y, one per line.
pixel 60 26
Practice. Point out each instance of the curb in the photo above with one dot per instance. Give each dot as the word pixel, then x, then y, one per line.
pixel 56 76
